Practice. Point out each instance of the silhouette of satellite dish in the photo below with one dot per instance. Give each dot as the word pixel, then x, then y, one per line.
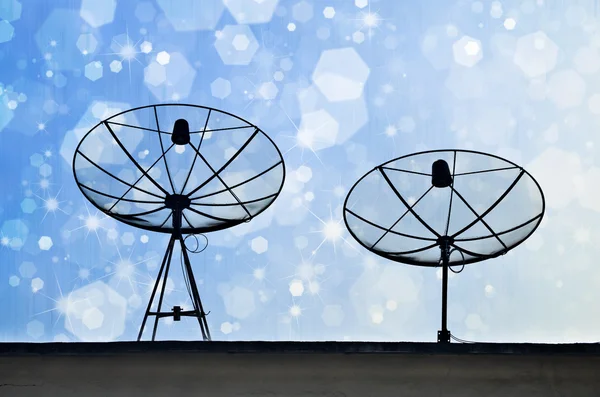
pixel 444 208
pixel 178 169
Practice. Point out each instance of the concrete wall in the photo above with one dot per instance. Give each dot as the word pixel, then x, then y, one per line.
pixel 292 374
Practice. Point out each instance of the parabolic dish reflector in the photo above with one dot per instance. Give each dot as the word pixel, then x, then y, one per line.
pixel 492 206
pixel 128 167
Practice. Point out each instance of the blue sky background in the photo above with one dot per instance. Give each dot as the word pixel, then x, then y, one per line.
pixel 340 86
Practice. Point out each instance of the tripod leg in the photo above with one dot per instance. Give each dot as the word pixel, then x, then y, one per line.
pixel 201 316
pixel 164 284
pixel 162 268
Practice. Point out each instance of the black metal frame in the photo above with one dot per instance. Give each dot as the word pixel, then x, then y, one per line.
pixel 431 242
pixel 134 220
pixel 445 242
pixel 176 210
pixel 163 274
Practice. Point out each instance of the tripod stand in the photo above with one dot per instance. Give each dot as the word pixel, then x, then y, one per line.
pixel 177 203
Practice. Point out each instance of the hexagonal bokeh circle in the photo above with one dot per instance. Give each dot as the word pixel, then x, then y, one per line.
pixel 251 11
pixel 28 205
pixel 302 11
pixel 95 313
pixel 220 88
pixel 236 44
pixel 467 51
pixel 94 70
pixel 296 288
pixel 170 77
pixel 318 130
pixel 10 10
pixel 27 269
pixel 35 329
pixel 239 302
pixel 7 31
pixel 16 232
pixel 87 43
pixel 536 54
pixel 45 243
pixel 45 170
pixel 341 74
pixel 190 15
pixel 268 90
pixel 98 12
pixel 259 245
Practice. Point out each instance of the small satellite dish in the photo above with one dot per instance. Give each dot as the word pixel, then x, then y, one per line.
pixel 178 169
pixel 444 208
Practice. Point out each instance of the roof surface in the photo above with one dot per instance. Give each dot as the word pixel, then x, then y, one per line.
pixel 77 348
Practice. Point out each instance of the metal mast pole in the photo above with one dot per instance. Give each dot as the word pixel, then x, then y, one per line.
pixel 444 334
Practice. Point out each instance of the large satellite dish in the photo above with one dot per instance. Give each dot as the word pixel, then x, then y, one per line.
pixel 178 169
pixel 444 208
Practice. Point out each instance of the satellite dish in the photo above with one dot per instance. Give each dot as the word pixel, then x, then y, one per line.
pixel 178 169
pixel 444 208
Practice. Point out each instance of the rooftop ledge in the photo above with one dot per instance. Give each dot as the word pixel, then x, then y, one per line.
pixel 298 369
pixel 110 348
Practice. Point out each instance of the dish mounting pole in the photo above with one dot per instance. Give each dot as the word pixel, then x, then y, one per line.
pixel 444 242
